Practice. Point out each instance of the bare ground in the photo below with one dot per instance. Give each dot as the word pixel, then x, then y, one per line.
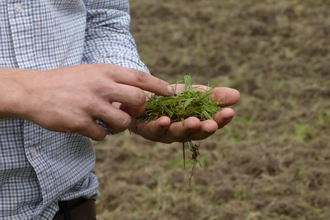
pixel 272 162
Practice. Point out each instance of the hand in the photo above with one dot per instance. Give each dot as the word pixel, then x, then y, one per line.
pixel 70 99
pixel 162 130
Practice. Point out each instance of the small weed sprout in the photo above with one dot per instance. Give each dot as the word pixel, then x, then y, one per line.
pixel 192 102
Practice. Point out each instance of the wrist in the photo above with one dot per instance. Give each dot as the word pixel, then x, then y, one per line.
pixel 13 99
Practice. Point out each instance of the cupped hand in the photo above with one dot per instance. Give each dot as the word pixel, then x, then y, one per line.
pixel 162 130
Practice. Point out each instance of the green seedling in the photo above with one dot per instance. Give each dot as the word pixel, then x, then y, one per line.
pixel 192 102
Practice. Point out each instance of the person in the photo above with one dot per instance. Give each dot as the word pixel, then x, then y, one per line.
pixel 70 72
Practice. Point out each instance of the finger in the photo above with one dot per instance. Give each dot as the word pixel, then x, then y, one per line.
pixel 93 131
pixel 153 129
pixel 177 131
pixel 209 127
pixel 141 80
pixel 206 129
pixel 223 117
pixel 179 88
pixel 116 119
pixel 132 98
pixel 167 132
pixel 226 96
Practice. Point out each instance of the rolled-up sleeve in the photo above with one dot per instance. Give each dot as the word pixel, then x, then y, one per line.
pixel 108 39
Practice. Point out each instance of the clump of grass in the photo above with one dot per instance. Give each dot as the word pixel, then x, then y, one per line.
pixel 189 103
pixel 192 102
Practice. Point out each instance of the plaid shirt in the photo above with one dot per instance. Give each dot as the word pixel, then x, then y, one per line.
pixel 39 167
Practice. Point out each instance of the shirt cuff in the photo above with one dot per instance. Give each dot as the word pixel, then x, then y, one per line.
pixel 109 132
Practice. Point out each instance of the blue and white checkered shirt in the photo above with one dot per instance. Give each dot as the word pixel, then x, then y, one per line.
pixel 39 167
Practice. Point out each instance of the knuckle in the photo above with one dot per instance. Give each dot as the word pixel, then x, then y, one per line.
pixel 91 104
pixel 100 110
pixel 101 69
pixel 141 77
pixel 99 66
pixel 78 126
pixel 140 98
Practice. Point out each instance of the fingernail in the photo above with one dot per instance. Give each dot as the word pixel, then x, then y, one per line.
pixel 170 89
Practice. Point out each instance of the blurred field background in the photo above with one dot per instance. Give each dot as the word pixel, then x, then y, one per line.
pixel 273 161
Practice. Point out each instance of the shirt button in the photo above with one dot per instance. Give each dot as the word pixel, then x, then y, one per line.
pixel 33 151
pixel 19 8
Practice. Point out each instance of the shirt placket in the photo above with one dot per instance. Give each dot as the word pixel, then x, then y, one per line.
pixel 21 24
pixel 20 15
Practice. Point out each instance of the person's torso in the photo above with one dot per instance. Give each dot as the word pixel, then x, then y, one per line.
pixel 37 166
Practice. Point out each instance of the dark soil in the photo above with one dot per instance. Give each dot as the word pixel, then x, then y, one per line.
pixel 273 161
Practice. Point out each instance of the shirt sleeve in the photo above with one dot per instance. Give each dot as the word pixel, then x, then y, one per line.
pixel 108 39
